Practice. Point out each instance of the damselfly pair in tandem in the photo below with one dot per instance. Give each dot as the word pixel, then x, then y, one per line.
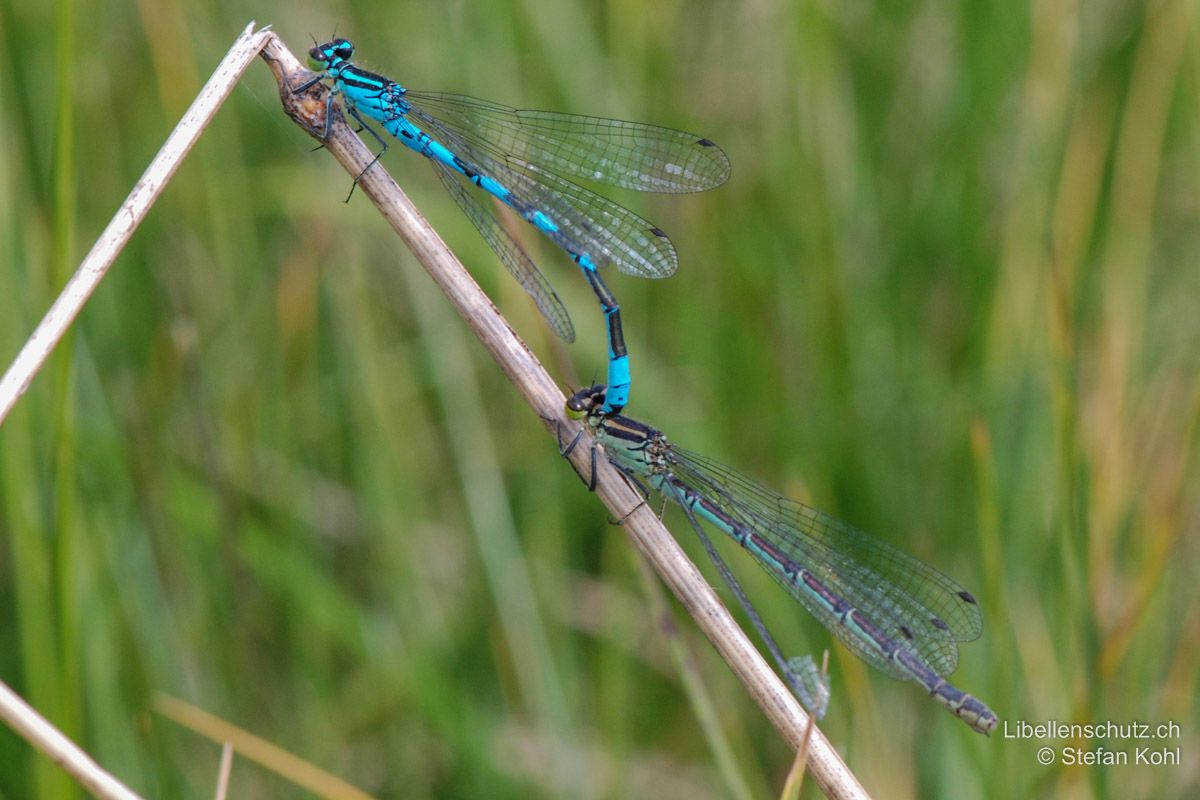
pixel 893 611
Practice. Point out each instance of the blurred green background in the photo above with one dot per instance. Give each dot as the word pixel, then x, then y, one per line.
pixel 951 295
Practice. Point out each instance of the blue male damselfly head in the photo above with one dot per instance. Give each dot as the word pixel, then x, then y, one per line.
pixel 327 55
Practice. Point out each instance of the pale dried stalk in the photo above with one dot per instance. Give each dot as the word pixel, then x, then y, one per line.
pixel 131 213
pixel 14 711
pixel 531 380
pixel 50 741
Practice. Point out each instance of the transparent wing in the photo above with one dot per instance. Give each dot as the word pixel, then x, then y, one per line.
pixel 513 257
pixel 613 233
pixel 631 155
pixel 589 224
pixel 910 601
pixel 808 683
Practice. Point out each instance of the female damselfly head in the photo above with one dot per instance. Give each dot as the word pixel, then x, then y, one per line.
pixel 325 55
pixel 585 402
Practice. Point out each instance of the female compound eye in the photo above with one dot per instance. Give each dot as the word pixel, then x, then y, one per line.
pixel 585 401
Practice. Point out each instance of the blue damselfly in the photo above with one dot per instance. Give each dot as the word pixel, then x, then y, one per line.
pixel 530 161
